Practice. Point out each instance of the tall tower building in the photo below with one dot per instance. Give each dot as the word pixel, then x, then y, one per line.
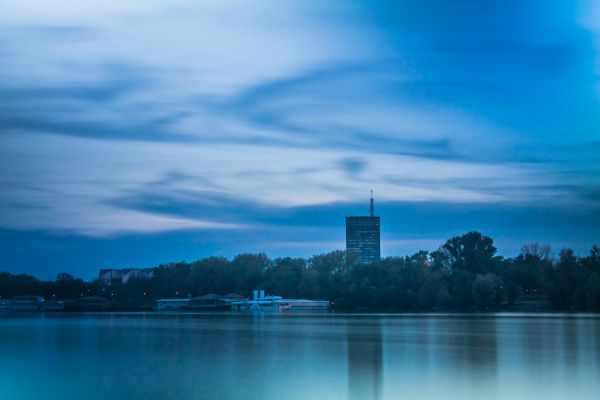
pixel 363 242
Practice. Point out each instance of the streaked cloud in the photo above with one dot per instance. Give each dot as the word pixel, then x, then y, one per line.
pixel 248 119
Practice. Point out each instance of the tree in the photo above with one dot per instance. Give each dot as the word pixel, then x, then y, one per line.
pixel 249 271
pixel 471 252
pixel 211 275
pixel 513 292
pixel 486 291
pixel 434 293
pixel 462 274
pixel 592 292
pixel 63 276
pixel 330 269
pixel 461 289
pixel 285 275
pixel 542 252
pixel 564 281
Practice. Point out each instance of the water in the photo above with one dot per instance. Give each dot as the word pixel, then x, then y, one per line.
pixel 298 356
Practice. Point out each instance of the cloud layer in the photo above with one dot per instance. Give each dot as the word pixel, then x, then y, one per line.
pixel 251 122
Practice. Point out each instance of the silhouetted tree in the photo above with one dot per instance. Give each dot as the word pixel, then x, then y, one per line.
pixel 472 252
pixel 463 274
pixel 486 291
pixel 564 281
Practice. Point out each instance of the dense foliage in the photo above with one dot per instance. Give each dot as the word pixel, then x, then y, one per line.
pixel 463 274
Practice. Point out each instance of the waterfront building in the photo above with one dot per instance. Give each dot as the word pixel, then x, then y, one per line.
pixel 54 305
pixel 233 297
pixel 209 302
pixel 363 243
pixel 92 303
pixel 232 301
pixel 262 302
pixel 5 304
pixel 172 304
pixel 111 276
pixel 301 305
pixel 22 303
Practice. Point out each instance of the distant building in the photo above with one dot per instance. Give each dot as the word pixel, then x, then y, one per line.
pixel 92 303
pixel 63 276
pixel 363 243
pixel 262 302
pixel 111 276
pixel 54 305
pixel 22 303
pixel 209 302
pixel 233 297
pixel 173 304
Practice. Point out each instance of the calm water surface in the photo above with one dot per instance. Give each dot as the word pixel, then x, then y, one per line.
pixel 298 356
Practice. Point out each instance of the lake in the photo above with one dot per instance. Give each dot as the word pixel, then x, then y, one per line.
pixel 298 356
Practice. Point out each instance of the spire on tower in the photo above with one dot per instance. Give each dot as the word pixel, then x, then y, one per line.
pixel 372 207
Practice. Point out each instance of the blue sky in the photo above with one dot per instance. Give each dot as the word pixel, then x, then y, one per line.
pixel 135 133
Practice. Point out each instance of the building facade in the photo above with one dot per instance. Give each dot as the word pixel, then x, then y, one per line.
pixel 111 276
pixel 363 242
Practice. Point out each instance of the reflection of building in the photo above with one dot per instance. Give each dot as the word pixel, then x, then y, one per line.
pixel 363 237
pixel 365 361
pixel 111 276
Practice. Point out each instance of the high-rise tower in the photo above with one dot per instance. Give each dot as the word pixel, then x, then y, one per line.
pixel 363 236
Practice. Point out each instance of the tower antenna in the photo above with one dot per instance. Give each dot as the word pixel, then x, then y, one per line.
pixel 372 206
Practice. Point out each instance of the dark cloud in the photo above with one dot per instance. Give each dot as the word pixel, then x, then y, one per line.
pixel 62 32
pixel 278 105
pixel 72 109
pixel 65 110
pixel 499 83
pixel 204 205
pixel 318 228
pixel 92 93
pixel 353 166
pixel 401 217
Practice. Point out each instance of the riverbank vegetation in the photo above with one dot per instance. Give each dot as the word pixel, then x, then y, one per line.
pixel 464 274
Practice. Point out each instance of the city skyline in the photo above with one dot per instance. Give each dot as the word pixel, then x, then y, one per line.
pixel 133 136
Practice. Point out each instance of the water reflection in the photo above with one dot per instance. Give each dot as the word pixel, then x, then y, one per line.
pixel 365 360
pixel 297 357
pixel 468 345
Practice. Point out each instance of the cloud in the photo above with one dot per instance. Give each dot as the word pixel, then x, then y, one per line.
pixel 219 118
pixel 62 182
pixel 353 166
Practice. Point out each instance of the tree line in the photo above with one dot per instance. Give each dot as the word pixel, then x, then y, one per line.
pixel 464 274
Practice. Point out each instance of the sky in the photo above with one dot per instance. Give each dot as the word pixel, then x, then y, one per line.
pixel 134 133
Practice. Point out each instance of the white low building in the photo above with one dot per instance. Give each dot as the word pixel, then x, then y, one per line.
pixel 260 302
pixel 172 304
pixel 109 276
pixel 22 303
